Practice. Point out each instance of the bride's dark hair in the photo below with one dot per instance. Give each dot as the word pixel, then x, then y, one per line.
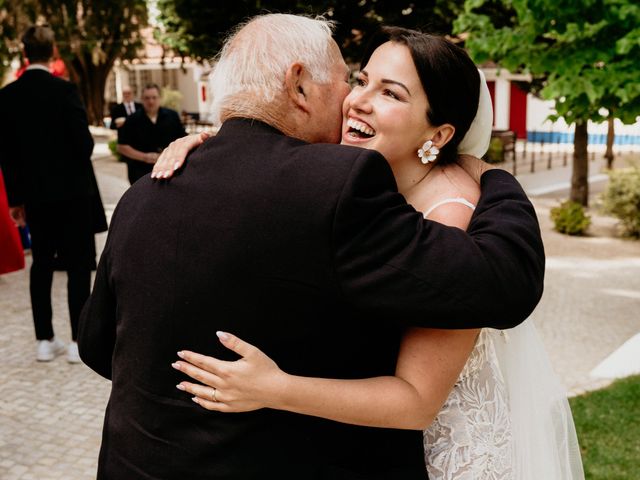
pixel 448 76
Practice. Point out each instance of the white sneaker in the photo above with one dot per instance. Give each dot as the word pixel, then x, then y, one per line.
pixel 49 349
pixel 72 353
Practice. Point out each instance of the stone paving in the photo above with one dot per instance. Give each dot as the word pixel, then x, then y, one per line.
pixel 51 413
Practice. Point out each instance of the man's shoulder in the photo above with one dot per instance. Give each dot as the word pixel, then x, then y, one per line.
pixel 7 94
pixel 134 119
pixel 168 113
pixel 9 87
pixel 342 157
pixel 61 82
pixel 54 83
pixel 335 150
pixel 10 90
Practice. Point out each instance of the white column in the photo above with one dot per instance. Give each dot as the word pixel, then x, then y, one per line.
pixel 118 83
pixel 502 103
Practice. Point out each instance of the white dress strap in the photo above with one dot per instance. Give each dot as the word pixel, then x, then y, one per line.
pixel 461 200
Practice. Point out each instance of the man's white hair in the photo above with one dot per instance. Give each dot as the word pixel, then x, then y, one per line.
pixel 250 70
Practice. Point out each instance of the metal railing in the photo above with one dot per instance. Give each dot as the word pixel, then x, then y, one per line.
pixel 547 150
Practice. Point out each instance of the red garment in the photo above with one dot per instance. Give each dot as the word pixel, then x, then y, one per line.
pixel 11 253
pixel 56 67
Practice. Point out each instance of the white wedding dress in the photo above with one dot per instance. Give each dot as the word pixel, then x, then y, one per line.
pixel 507 417
pixel 471 437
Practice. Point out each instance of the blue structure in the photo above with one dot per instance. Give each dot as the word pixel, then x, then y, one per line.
pixel 594 139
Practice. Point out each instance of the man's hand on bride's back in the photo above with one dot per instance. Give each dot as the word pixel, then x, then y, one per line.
pixel 173 157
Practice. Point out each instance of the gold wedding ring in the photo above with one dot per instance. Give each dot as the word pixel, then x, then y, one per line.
pixel 213 395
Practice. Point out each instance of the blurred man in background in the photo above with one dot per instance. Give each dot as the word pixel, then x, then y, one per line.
pixel 51 186
pixel 121 111
pixel 147 132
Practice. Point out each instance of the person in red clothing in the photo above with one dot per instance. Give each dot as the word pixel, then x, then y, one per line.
pixel 11 253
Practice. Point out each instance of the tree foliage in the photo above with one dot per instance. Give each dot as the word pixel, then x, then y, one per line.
pixel 15 16
pixel 198 27
pixel 90 35
pixel 583 55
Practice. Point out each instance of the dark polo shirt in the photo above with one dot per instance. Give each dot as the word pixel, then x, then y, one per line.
pixel 142 134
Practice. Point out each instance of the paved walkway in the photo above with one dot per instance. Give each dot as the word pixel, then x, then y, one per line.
pixel 51 414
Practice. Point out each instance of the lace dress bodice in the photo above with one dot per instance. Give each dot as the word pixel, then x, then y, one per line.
pixel 471 438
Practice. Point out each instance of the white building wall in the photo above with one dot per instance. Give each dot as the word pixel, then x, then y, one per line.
pixel 188 86
pixel 502 104
pixel 182 78
pixel 538 110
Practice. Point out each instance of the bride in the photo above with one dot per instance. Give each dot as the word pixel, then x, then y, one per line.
pixel 488 401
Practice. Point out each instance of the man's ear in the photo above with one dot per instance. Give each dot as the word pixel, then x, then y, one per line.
pixel 443 134
pixel 295 83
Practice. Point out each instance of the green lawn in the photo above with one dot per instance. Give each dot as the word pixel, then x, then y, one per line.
pixel 608 425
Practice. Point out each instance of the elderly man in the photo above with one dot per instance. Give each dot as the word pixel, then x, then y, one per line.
pixel 289 244
pixel 147 132
pixel 121 111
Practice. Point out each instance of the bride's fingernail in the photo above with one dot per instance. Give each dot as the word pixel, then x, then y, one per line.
pixel 176 365
pixel 180 354
pixel 180 387
pixel 176 166
pixel 195 399
pixel 223 336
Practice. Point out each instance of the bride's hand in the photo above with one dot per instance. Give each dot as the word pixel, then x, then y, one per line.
pixel 175 154
pixel 251 383
pixel 474 167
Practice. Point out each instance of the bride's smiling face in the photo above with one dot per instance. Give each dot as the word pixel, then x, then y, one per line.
pixel 387 109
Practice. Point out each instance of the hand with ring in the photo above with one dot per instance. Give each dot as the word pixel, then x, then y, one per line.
pixel 250 383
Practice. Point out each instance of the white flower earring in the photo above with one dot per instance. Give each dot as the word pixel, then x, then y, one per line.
pixel 428 152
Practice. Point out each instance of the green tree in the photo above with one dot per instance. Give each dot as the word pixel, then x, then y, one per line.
pixel 582 54
pixel 15 16
pixel 198 27
pixel 90 35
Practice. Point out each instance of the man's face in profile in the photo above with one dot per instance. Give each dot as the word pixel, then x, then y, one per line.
pixel 326 123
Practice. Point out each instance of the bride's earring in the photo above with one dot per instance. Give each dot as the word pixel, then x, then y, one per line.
pixel 428 152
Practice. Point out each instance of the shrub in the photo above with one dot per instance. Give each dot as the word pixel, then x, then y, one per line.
pixel 569 218
pixel 113 144
pixel 171 99
pixel 495 153
pixel 622 199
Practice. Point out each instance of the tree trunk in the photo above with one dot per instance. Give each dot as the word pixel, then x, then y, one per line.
pixel 611 134
pixel 91 80
pixel 92 89
pixel 580 175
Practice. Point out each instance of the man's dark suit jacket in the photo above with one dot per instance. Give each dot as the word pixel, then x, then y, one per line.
pixel 308 252
pixel 45 150
pixel 119 111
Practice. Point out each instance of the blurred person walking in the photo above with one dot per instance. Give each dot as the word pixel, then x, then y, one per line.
pixel 51 186
pixel 147 132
